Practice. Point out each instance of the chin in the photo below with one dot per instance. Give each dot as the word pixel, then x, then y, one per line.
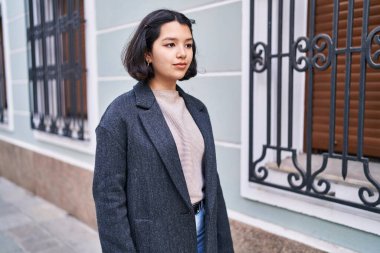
pixel 179 77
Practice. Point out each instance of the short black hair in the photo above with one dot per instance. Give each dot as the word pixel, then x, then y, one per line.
pixel 148 31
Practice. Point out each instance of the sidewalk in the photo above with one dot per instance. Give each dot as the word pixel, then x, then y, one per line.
pixel 29 224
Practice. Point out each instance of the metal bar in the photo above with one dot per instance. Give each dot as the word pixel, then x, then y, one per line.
pixel 251 83
pixel 347 87
pixel 45 67
pixel 279 82
pixel 269 73
pixel 363 70
pixel 1 103
pixel 3 93
pixel 349 157
pixel 73 95
pixel 2 108
pixel 58 57
pixel 322 197
pixel 333 79
pixel 343 51
pixel 291 81
pixel 65 66
pixel 32 70
pixel 281 148
pixel 309 119
pixel 279 55
pixel 81 67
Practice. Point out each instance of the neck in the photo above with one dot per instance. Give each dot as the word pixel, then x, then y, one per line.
pixel 157 84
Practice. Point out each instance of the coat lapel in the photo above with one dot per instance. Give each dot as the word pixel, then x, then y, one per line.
pixel 199 113
pixel 161 137
pixel 155 125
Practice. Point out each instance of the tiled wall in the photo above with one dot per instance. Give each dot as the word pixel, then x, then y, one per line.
pixel 62 184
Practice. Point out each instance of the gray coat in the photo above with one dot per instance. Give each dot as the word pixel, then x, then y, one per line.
pixel 140 193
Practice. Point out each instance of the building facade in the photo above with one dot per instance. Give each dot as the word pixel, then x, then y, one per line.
pixel 297 142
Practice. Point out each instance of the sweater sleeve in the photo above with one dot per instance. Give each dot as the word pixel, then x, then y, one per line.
pixel 109 194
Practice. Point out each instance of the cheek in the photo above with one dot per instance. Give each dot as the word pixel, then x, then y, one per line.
pixel 162 57
pixel 190 60
pixel 191 55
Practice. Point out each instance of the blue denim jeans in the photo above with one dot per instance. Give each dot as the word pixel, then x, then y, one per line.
pixel 200 224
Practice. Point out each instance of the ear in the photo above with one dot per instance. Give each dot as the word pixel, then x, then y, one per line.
pixel 148 57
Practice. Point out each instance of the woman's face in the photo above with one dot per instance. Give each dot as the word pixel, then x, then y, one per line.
pixel 172 52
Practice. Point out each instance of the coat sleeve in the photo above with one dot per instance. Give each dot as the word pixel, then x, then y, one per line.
pixel 225 244
pixel 109 194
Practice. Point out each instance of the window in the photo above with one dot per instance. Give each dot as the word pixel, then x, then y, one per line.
pixel 3 85
pixel 371 115
pixel 57 67
pixel 339 58
pixel 286 51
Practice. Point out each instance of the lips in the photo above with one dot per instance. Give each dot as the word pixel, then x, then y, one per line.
pixel 180 65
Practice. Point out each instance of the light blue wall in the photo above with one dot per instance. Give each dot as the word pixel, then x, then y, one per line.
pixel 218 35
pixel 110 47
pixel 21 96
pixel 121 12
pixel 108 91
pixel 222 98
pixel 17 38
pixel 19 65
pixel 15 8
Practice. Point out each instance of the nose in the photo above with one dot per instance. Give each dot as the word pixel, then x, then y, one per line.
pixel 181 53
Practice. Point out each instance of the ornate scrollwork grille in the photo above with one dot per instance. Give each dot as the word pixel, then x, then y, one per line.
pixel 313 54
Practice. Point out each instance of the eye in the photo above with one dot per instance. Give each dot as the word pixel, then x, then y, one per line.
pixel 170 45
pixel 189 45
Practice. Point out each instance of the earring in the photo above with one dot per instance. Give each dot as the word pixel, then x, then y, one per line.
pixel 147 63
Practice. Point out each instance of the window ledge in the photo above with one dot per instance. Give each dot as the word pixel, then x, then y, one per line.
pixel 6 127
pixel 87 147
pixel 326 210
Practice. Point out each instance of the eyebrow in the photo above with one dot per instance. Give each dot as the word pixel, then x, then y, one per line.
pixel 175 39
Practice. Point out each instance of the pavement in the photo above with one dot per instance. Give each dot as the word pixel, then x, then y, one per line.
pixel 29 224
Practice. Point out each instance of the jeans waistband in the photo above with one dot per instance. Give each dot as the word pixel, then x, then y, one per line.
pixel 198 206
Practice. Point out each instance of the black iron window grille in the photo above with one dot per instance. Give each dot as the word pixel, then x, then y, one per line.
pixel 3 85
pixel 57 69
pixel 340 58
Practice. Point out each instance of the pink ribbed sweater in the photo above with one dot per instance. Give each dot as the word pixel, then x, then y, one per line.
pixel 187 137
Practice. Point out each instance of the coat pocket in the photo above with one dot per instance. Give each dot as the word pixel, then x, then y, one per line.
pixel 143 230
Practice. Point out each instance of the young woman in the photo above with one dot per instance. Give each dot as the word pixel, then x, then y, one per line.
pixel 156 187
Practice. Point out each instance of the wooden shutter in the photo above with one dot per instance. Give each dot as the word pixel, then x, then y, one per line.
pixel 79 57
pixel 322 80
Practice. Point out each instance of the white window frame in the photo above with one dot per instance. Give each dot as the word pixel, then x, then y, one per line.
pixel 326 210
pixel 9 126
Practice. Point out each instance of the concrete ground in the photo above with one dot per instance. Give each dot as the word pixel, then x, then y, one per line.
pixel 29 224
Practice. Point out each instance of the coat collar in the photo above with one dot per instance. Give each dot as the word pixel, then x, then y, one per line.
pixel 159 133
pixel 145 97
